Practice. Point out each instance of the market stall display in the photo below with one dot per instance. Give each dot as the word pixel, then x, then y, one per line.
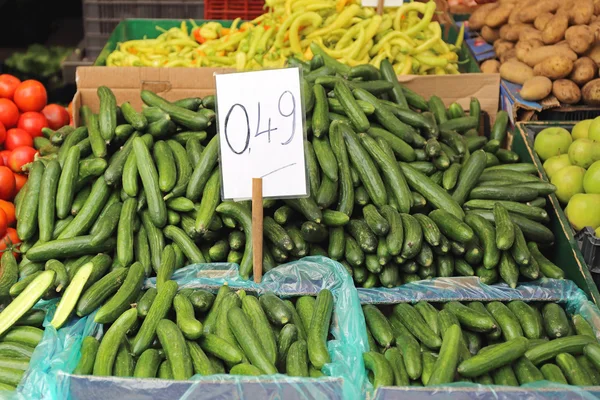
pixel 121 262
pixel 406 36
pixel 546 46
pixel 373 198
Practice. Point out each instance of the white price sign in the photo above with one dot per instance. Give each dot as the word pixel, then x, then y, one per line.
pixel 261 133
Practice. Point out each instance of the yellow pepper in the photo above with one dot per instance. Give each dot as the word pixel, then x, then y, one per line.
pixel 311 18
pixel 342 19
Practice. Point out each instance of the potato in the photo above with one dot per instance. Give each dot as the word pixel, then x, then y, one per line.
pixel 513 18
pixel 538 55
pixel 530 12
pixel 594 53
pixel 508 55
pixel 541 20
pixel 566 91
pixel 565 6
pixel 596 7
pixel 511 32
pixel 536 88
pixel 477 19
pixel 516 71
pixel 530 34
pixel 554 31
pixel 555 67
pixel 563 43
pixel 582 13
pixel 595 28
pixel 584 70
pixel 501 46
pixel 490 66
pixel 523 47
pixel 580 38
pixel 490 35
pixel 591 93
pixel 499 15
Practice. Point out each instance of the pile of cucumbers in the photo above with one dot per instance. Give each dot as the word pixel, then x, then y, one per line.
pixel 240 334
pixel 495 343
pixel 401 190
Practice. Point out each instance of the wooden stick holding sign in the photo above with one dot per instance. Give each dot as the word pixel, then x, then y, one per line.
pixel 261 145
pixel 257 228
pixel 380 7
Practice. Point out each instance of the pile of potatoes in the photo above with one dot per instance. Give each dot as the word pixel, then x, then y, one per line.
pixel 548 46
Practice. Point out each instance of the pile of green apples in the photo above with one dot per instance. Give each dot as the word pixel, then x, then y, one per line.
pixel 572 163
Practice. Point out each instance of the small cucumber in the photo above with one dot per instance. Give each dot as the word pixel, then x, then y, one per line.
pixel 174 345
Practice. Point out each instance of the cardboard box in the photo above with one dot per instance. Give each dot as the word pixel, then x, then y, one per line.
pixel 178 83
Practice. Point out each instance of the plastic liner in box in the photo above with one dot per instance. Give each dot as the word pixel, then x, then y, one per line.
pixel 51 379
pixel 21 393
pixel 471 289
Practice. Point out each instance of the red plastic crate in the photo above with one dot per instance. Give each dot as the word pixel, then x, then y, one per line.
pixel 232 9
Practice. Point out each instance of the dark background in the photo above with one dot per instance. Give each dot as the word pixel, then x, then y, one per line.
pixel 49 22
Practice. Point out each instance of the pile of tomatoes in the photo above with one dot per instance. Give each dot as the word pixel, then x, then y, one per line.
pixel 24 112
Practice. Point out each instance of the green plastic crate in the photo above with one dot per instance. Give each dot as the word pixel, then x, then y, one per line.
pixel 132 29
pixel 565 252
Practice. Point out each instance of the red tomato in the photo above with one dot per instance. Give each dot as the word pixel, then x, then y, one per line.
pixel 20 181
pixel 4 154
pixel 8 85
pixel 16 138
pixel 56 115
pixel 9 210
pixel 10 240
pixel 20 156
pixel 7 183
pixel 31 96
pixel 32 122
pixel 3 223
pixel 9 113
pixel 2 133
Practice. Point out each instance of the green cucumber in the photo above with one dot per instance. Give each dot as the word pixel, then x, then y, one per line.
pixel 553 373
pixel 109 346
pixel 417 325
pixel 175 347
pixel 556 323
pixel 527 319
pixel 381 368
pixel 573 371
pixel 445 366
pixel 511 328
pixel 125 295
pixel 546 351
pixel 501 355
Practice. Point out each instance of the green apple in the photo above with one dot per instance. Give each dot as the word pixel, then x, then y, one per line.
pixel 581 129
pixel 552 142
pixel 597 232
pixel 556 163
pixel 583 152
pixel 568 182
pixel 594 130
pixel 591 179
pixel 583 211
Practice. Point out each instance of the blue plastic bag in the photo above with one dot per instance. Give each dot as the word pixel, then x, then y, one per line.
pixel 51 378
pixel 471 289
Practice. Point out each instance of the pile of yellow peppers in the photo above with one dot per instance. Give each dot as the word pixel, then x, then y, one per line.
pixel 406 36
